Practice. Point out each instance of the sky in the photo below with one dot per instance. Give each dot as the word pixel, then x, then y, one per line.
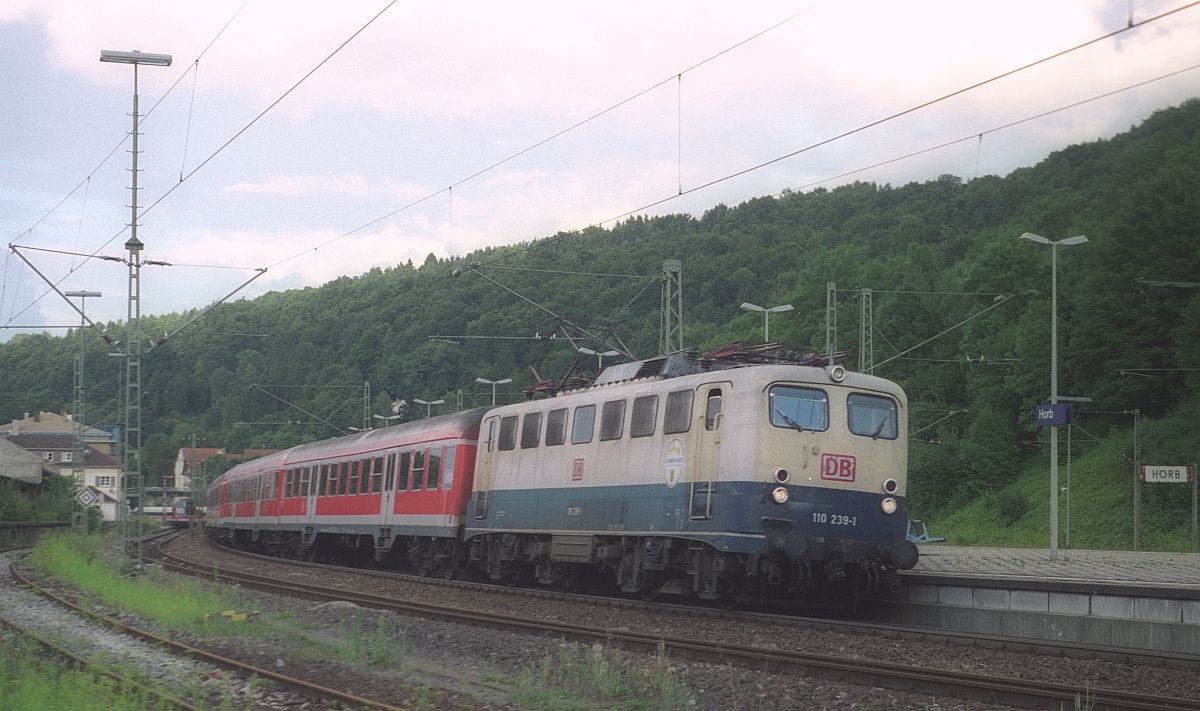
pixel 317 140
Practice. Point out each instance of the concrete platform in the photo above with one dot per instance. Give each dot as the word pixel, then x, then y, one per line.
pixel 1148 601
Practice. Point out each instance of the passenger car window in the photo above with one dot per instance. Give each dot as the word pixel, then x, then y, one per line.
pixel 418 469
pixel 402 474
pixel 798 408
pixel 585 422
pixel 508 433
pixel 448 468
pixel 645 412
pixel 531 430
pixel 434 469
pixel 612 420
pixel 556 427
pixel 872 416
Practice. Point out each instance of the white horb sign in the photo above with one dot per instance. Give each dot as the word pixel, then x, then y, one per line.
pixel 1153 474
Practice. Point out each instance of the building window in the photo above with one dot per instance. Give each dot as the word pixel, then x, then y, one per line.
pixel 66 456
pixel 48 456
pixel 106 481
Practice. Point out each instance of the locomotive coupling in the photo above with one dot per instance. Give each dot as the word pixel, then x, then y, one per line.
pixel 902 555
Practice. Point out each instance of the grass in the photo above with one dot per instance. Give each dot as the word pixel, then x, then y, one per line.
pixel 1101 495
pixel 172 602
pixel 29 682
pixel 579 677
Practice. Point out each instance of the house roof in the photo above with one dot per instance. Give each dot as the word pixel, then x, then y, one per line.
pixel 50 423
pixel 92 457
pixel 20 464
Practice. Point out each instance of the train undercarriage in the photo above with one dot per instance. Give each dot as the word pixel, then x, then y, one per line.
pixel 648 567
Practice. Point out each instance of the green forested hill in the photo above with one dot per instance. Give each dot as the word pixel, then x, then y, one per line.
pixel 934 254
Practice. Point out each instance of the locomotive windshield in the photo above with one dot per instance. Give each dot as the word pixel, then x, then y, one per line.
pixel 794 407
pixel 872 416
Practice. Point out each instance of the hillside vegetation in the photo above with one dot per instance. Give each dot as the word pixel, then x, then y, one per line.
pixel 935 254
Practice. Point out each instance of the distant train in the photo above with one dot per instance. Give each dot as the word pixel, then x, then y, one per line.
pixel 176 515
pixel 709 478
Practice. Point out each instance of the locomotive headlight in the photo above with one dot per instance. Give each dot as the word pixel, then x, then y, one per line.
pixel 891 486
pixel 889 505
pixel 781 475
pixel 780 495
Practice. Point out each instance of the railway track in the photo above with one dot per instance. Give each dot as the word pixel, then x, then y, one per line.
pixel 1123 655
pixel 1020 692
pixel 301 686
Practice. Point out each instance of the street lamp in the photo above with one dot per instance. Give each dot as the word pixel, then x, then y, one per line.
pixel 428 405
pixel 1079 239
pixel 767 316
pixel 600 356
pixel 132 475
pixel 387 419
pixel 493 383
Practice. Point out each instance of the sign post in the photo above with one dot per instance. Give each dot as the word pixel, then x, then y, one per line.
pixel 1052 416
pixel 1151 474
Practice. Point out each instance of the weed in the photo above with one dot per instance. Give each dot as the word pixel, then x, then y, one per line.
pixel 581 677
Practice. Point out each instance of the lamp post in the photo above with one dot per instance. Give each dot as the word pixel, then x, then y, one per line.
pixel 600 356
pixel 1079 239
pixel 79 516
pixel 493 383
pixel 386 420
pixel 131 479
pixel 767 316
pixel 428 405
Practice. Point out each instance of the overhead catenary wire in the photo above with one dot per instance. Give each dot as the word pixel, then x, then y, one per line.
pixel 872 124
pixel 183 178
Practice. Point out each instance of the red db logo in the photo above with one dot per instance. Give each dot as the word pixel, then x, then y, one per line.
pixel 837 467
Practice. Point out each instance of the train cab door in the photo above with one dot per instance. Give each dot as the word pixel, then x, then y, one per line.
pixel 487 464
pixel 708 450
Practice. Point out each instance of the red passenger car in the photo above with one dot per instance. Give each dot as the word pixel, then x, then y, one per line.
pixel 390 494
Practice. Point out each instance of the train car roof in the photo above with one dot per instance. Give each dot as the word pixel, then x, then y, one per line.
pixel 463 424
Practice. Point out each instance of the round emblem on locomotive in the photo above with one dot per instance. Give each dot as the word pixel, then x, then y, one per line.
pixel 673 462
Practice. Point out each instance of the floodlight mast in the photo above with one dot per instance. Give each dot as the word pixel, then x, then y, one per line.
pixel 131 479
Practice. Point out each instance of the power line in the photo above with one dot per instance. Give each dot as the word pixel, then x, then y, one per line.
pixel 568 129
pixel 869 125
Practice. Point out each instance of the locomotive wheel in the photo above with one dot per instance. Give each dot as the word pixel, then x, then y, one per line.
pixel 445 570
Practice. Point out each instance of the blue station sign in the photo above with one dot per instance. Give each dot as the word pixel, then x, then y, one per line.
pixel 1061 414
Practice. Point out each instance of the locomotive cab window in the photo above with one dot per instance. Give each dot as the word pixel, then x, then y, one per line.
pixel 531 430
pixel 645 412
pixel 556 427
pixel 872 416
pixel 797 408
pixel 508 433
pixel 679 412
pixel 612 420
pixel 712 410
pixel 585 422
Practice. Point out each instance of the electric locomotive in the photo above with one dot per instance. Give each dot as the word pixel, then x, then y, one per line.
pixel 699 478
